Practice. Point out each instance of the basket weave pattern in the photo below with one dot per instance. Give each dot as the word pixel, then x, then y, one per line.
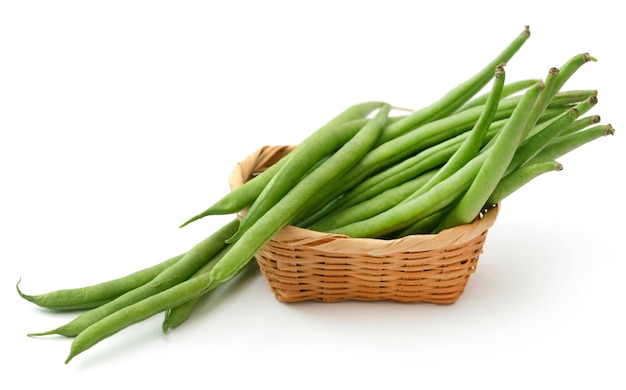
pixel 301 264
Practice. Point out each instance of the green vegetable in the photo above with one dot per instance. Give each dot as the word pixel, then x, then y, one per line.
pixel 89 297
pixel 176 273
pixel 498 158
pixel 364 173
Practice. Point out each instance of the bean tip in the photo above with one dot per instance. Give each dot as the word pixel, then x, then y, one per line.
pixel 554 71
pixel 609 130
pixel 526 30
pixel 500 69
pixel 589 58
pixel 541 85
pixel 574 113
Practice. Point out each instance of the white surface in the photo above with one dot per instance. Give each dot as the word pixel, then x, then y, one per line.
pixel 121 119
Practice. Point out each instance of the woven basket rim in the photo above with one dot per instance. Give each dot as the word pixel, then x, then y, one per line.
pixel 338 243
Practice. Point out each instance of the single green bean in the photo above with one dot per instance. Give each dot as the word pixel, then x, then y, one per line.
pixel 92 296
pixel 181 270
pixel 499 157
pixel 241 197
pixel 520 177
pixel 581 123
pixel 508 90
pixel 565 144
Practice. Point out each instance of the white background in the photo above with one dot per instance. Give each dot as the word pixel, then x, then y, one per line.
pixel 121 119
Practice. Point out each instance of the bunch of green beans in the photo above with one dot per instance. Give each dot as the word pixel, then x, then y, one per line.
pixel 365 173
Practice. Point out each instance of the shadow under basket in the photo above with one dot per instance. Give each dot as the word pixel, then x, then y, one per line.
pixel 304 265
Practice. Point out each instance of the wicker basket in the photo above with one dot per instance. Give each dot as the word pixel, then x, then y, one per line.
pixel 301 264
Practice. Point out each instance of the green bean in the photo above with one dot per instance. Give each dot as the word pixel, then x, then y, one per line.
pixel 499 156
pixel 520 177
pixel 555 80
pixel 567 143
pixel 240 252
pixel 570 67
pixel 508 90
pixel 88 297
pixel 406 213
pixel 241 197
pixel 365 180
pixel 372 186
pixel 425 225
pixel 375 205
pixel 179 314
pixel 245 195
pixel 398 149
pixel 349 121
pixel 580 124
pixel 456 97
pixel 307 188
pixel 542 137
pixel 475 139
pixel 428 135
pixel 309 152
pixel 359 204
pixel 550 88
pixel 186 266
pixel 139 311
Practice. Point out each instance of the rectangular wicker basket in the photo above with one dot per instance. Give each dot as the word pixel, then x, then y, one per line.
pixel 301 264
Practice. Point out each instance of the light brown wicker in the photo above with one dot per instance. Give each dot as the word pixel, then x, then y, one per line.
pixel 301 264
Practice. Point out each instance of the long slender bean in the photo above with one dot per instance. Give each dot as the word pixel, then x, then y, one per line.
pixel 92 296
pixel 520 177
pixel 581 123
pixel 508 90
pixel 567 143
